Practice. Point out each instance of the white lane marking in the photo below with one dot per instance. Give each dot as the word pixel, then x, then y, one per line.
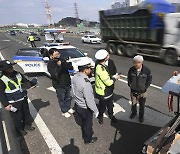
pixel 123 80
pixel 1 56
pixel 117 108
pixel 51 89
pixel 6 40
pixel 6 136
pixel 48 137
pixel 5 133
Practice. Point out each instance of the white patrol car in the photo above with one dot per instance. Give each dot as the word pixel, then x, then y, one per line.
pixel 34 60
pixel 91 39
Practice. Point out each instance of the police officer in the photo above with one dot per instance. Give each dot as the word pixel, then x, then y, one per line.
pixel 84 99
pixel 31 40
pixel 104 85
pixel 139 80
pixel 13 96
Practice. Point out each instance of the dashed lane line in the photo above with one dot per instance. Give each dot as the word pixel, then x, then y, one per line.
pixel 45 132
pixel 6 40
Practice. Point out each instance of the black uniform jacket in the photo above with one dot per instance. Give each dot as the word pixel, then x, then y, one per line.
pixel 139 82
pixel 59 73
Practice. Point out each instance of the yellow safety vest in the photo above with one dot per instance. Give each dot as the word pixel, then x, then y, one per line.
pixel 102 80
pixel 13 91
pixel 31 38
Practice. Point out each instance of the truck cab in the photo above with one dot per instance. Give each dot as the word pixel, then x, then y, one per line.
pixel 171 41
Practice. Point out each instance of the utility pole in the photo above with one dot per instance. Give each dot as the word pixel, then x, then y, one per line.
pixel 76 13
pixel 48 14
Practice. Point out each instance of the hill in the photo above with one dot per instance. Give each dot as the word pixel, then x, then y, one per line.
pixel 70 21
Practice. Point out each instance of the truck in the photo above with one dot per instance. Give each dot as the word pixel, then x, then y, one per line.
pixel 151 28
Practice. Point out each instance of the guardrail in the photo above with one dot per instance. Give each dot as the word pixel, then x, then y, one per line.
pixel 9 143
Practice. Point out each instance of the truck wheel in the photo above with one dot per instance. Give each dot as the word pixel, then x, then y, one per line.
pixel 170 57
pixel 130 50
pixel 111 48
pixel 120 50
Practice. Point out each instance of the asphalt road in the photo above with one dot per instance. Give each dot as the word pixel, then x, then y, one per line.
pixel 126 137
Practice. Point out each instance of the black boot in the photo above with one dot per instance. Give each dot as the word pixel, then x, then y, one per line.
pixel 94 139
pixel 29 128
pixel 113 119
pixel 133 114
pixel 141 119
pixel 100 120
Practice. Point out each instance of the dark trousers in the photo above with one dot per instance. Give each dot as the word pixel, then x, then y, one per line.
pixel 106 104
pixel 26 113
pixel 18 115
pixel 86 116
pixel 33 44
pixel 64 98
pixel 141 98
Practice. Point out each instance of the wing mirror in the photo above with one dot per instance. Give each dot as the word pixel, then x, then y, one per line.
pixel 86 54
pixel 46 58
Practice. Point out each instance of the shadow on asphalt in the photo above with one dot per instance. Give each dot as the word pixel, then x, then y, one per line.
pixel 71 148
pixel 38 104
pixel 23 145
pixel 117 97
pixel 129 137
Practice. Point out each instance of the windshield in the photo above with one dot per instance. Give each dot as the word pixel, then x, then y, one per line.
pixel 32 53
pixel 92 36
pixel 71 53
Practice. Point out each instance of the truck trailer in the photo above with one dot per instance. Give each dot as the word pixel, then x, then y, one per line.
pixel 150 29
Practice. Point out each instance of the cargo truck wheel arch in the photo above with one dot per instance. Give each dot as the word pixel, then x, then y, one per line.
pixel 170 56
pixel 111 47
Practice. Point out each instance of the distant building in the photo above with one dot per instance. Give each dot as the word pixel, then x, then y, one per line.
pixel 133 2
pixel 126 3
pixel 117 5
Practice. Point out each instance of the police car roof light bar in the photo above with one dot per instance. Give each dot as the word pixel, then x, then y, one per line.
pixel 56 44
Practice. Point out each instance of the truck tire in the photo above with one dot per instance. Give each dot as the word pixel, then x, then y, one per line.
pixel 120 50
pixel 170 57
pixel 130 50
pixel 111 48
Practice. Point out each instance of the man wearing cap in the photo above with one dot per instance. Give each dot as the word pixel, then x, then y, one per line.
pixel 84 99
pixel 139 79
pixel 104 85
pixel 13 96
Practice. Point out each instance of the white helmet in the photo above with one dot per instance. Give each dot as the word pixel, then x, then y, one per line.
pixel 84 62
pixel 101 54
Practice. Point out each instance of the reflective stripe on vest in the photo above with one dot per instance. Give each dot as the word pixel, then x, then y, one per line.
pixel 16 94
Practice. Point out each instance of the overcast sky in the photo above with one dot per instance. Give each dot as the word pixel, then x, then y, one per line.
pixel 33 11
